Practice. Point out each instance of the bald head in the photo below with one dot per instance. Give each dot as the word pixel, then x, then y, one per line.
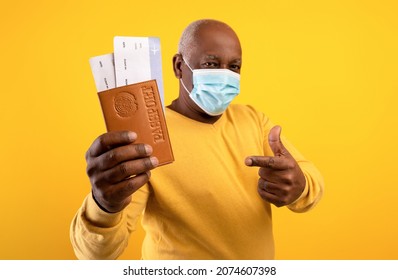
pixel 191 36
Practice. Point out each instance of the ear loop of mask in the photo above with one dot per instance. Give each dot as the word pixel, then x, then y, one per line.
pixel 187 64
pixel 182 83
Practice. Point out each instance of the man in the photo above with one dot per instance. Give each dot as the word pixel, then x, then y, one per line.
pixel 211 203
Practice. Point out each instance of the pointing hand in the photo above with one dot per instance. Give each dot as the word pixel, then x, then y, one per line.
pixel 281 179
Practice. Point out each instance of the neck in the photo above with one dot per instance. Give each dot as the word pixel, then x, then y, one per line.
pixel 182 107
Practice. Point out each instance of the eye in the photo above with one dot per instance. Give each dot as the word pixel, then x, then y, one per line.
pixel 210 64
pixel 235 67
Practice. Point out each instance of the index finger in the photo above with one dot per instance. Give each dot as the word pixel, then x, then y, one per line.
pixel 275 163
pixel 109 140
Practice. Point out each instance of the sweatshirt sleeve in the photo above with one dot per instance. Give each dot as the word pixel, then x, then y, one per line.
pixel 96 234
pixel 314 182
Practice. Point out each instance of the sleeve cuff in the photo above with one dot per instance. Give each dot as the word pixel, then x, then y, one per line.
pixel 99 217
pixel 294 204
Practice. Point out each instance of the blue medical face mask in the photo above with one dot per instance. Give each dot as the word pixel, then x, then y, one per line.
pixel 213 89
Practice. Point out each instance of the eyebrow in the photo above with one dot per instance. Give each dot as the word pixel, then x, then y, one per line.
pixel 210 56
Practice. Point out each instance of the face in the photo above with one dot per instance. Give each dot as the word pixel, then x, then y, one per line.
pixel 216 47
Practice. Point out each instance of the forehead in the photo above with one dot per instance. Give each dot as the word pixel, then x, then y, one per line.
pixel 216 40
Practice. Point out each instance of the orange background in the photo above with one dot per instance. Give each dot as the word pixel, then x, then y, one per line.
pixel 324 70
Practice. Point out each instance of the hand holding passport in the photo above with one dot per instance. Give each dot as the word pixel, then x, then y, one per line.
pixel 130 89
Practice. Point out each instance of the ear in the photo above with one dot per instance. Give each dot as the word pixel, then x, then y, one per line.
pixel 177 62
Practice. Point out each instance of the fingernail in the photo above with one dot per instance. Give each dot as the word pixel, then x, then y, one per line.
pixel 148 149
pixel 154 161
pixel 148 173
pixel 131 136
pixel 248 161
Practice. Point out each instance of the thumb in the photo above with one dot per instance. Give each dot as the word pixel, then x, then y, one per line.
pixel 274 140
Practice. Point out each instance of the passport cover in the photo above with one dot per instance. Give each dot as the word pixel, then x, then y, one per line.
pixel 138 107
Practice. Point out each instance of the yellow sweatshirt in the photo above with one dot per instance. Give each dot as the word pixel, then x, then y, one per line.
pixel 205 205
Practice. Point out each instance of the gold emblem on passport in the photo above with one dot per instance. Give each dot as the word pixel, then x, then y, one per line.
pixel 125 104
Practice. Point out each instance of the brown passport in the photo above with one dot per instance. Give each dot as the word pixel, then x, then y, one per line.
pixel 138 108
